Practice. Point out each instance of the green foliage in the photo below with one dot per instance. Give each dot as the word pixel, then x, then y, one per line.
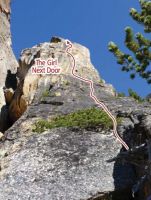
pixel 121 94
pixel 144 17
pixel 101 81
pixel 66 82
pixel 87 118
pixel 140 60
pixel 134 95
pixel 45 93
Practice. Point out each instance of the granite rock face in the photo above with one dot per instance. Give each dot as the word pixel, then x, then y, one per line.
pixel 70 163
pixel 67 163
pixel 7 58
pixel 8 63
pixel 29 83
pixel 63 164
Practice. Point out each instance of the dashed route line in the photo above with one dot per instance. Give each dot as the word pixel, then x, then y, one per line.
pixel 99 103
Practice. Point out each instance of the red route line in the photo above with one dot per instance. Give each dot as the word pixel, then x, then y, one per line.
pixel 100 104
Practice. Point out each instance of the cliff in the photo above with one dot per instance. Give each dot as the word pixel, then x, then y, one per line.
pixel 57 143
pixel 8 62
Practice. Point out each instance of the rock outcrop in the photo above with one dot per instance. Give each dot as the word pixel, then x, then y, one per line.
pixel 67 162
pixel 8 63
pixel 29 83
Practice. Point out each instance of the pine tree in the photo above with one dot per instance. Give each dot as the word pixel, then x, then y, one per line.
pixel 139 62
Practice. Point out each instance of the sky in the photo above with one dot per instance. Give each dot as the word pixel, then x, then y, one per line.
pixel 92 23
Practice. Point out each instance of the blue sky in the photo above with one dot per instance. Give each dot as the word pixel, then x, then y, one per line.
pixel 92 23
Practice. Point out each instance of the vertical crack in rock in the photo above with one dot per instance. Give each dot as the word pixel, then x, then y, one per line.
pixel 11 80
pixel 8 62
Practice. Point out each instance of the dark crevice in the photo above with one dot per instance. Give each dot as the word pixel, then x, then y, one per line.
pixel 4 119
pixel 55 39
pixel 11 80
pixel 55 103
pixel 124 194
pixel 10 83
